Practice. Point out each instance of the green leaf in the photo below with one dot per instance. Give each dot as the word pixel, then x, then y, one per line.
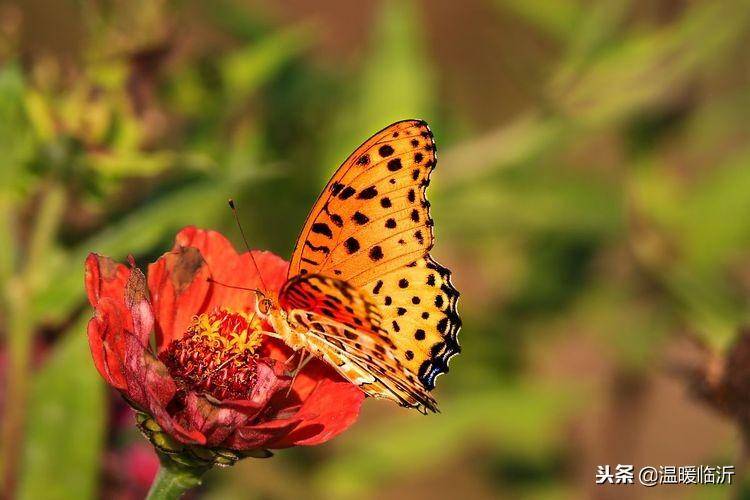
pixel 16 140
pixel 646 69
pixel 518 142
pixel 16 144
pixel 65 427
pixel 135 164
pixel 236 19
pixel 715 219
pixel 545 201
pixel 707 220
pixel 396 82
pixel 246 69
pixel 558 18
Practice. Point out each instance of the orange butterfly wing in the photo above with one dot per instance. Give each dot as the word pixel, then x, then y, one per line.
pixel 372 216
pixel 371 227
pixel 344 325
pixel 333 299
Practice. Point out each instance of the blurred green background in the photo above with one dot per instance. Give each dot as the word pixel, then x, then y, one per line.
pixel 592 197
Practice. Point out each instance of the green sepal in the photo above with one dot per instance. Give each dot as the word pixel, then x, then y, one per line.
pixel 193 456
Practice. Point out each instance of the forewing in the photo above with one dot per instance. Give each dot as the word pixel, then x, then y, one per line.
pixel 373 216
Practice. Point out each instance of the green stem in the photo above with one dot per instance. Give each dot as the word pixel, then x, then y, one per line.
pixel 18 294
pixel 173 480
pixel 44 232
pixel 20 331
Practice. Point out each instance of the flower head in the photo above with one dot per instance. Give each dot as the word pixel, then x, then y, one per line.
pixel 213 387
pixel 216 356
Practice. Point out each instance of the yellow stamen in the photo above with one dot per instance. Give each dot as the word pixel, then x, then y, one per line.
pixel 226 330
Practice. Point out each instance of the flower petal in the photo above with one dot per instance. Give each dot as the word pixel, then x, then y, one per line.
pixel 230 268
pixel 321 401
pixel 107 342
pixel 106 278
pixel 149 383
pixel 216 423
pixel 270 380
pixel 327 412
pixel 151 389
pixel 307 379
pixel 179 287
pixel 136 301
pixel 260 435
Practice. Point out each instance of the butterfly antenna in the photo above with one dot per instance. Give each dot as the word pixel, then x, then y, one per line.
pixel 236 287
pixel 244 239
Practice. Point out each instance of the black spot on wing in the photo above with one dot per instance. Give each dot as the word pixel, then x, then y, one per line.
pixel 376 253
pixel 368 193
pixel 322 228
pixel 351 245
pixel 442 325
pixel 385 151
pixel 360 218
pixel 347 193
pixel 336 219
pixel 321 248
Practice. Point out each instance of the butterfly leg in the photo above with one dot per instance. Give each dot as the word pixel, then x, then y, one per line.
pixel 271 334
pixel 290 358
pixel 300 366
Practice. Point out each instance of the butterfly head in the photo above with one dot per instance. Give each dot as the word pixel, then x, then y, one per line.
pixel 264 304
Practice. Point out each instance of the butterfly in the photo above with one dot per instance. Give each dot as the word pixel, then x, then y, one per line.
pixel 363 293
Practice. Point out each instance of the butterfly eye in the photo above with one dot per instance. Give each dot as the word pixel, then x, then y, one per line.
pixel 264 306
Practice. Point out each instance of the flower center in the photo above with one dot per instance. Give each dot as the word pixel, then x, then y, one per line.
pixel 216 356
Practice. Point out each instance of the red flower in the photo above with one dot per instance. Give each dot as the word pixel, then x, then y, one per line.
pixel 212 380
